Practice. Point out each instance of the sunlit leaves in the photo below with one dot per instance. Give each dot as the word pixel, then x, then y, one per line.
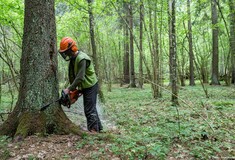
pixel 11 11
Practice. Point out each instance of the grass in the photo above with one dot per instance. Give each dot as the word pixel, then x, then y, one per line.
pixel 152 129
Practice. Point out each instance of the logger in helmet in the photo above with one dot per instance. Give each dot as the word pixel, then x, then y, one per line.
pixel 82 75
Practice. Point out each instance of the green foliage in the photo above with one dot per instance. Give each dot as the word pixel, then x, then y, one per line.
pixel 6 100
pixel 4 153
pixel 11 11
pixel 149 129
pixel 32 157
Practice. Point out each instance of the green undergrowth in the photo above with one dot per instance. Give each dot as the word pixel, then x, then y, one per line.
pixel 4 152
pixel 148 129
pixel 7 100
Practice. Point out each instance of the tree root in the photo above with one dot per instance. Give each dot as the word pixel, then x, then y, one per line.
pixel 40 123
pixel 31 123
pixel 9 126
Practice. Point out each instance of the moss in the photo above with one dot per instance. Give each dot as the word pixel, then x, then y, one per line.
pixel 31 123
pixel 76 130
pixel 67 127
pixel 64 125
pixel 9 126
pixel 39 123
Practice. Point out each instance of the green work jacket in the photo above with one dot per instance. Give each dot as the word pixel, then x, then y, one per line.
pixel 89 78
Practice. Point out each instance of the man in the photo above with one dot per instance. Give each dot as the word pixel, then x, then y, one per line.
pixel 82 76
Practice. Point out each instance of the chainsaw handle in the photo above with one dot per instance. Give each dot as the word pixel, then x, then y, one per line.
pixel 70 97
pixel 74 95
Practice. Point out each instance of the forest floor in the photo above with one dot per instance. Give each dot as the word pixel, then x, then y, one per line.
pixel 138 127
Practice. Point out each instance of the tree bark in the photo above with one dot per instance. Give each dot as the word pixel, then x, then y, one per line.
pixel 141 45
pixel 173 54
pixel 232 38
pixel 153 47
pixel 126 59
pixel 190 40
pixel 38 80
pixel 161 41
pixel 181 65
pixel 93 46
pixel 1 79
pixel 156 55
pixel 215 43
pixel 132 61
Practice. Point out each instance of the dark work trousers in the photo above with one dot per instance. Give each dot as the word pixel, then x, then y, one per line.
pixel 89 100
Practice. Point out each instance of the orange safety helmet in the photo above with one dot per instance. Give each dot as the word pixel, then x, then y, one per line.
pixel 67 43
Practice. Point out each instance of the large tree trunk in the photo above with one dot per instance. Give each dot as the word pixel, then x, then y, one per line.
pixel 173 55
pixel 215 41
pixel 190 40
pixel 232 38
pixel 38 80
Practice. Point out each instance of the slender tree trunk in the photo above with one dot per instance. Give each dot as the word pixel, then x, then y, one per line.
pixel 190 40
pixel 93 46
pixel 38 80
pixel 132 61
pixel 232 38
pixel 151 43
pixel 170 38
pixel 181 66
pixel 141 45
pixel 136 43
pixel 202 65
pixel 106 71
pixel 5 57
pixel 156 57
pixel 153 46
pixel 153 51
pixel 12 95
pixel 126 59
pixel 215 41
pixel 119 55
pixel 173 54
pixel 1 80
pixel 161 51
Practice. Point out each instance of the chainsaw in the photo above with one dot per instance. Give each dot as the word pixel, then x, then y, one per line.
pixel 65 99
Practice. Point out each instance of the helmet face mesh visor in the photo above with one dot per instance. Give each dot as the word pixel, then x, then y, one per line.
pixel 65 56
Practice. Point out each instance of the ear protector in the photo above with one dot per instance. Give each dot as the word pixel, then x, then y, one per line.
pixel 74 48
